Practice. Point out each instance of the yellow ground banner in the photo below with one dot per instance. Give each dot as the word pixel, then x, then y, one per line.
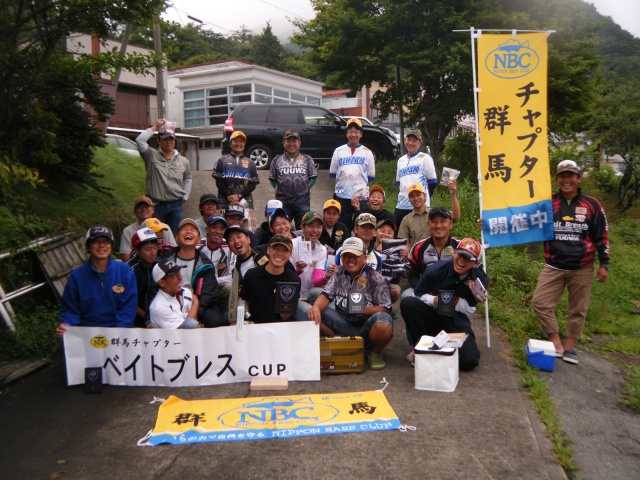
pixel 222 420
pixel 512 119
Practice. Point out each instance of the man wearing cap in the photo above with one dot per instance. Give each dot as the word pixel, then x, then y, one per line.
pixel 580 233
pixel 236 176
pixel 199 275
pixel 449 279
pixel 415 167
pixel 309 255
pixel 234 214
pixel 353 167
pixel 260 285
pixel 375 205
pixel 174 306
pixel 218 253
pixel 101 292
pixel 143 209
pixel 334 232
pixel 365 230
pixel 263 233
pixel 168 173
pixel 415 226
pixel 362 303
pixel 437 246
pixel 208 208
pixel 293 174
pixel 145 246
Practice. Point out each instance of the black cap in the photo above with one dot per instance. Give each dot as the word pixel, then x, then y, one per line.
pixel 96 232
pixel 445 212
pixel 209 197
pixel 235 228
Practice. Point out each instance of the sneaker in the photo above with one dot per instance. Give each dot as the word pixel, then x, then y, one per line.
pixel 411 357
pixel 395 315
pixel 570 356
pixel 376 362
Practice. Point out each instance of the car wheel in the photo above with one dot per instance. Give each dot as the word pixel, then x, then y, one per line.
pixel 261 155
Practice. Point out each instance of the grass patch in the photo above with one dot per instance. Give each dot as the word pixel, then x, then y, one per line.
pixel 610 329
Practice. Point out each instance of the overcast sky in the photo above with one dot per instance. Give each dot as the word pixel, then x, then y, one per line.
pixel 225 17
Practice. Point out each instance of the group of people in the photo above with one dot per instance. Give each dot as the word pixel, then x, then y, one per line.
pixel 180 273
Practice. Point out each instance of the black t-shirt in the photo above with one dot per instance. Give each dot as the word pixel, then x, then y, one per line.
pixel 259 289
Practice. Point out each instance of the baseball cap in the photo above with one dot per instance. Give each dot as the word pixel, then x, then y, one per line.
pixel 281 240
pixel 278 212
pixel 234 209
pixel 364 219
pixel 188 221
pixel 238 133
pixel 310 217
pixel 415 187
pixel 155 225
pixel 165 267
pixel 354 122
pixel 378 188
pixel 567 166
pixel 470 248
pixel 386 221
pixel 167 129
pixel 332 203
pixel 209 197
pixel 290 134
pixel 142 236
pixel 235 228
pixel 271 206
pixel 353 245
pixel 96 232
pixel 216 218
pixel 142 199
pixel 439 211
pixel 415 132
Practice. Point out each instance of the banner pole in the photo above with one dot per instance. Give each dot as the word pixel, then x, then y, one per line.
pixel 476 90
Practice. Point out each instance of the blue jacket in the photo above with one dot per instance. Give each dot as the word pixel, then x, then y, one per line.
pixel 91 299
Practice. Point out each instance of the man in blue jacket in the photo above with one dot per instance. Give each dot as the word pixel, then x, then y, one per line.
pixel 102 292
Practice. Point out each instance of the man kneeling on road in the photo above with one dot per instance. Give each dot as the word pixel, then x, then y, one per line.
pixel 362 300
pixel 174 306
pixel 427 314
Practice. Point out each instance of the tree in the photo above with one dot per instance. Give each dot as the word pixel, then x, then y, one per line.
pixel 266 49
pixel 614 123
pixel 356 43
pixel 44 125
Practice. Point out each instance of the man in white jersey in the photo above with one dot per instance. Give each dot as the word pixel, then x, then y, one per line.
pixel 353 167
pixel 415 167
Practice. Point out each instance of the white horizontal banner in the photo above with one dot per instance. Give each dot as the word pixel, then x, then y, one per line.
pixel 185 358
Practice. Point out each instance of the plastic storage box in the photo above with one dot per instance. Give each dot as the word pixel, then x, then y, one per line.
pixel 541 354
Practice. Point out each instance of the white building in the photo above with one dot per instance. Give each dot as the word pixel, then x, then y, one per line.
pixel 201 97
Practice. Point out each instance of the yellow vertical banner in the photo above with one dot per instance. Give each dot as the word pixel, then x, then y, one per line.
pixel 512 121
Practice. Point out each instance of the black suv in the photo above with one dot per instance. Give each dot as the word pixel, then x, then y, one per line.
pixel 321 130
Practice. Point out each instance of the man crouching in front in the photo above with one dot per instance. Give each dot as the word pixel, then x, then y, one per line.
pixel 362 303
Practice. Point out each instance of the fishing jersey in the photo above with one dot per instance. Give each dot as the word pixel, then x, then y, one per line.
pixel 424 253
pixel 580 230
pixel 223 260
pixel 418 168
pixel 292 176
pixel 235 175
pixel 352 171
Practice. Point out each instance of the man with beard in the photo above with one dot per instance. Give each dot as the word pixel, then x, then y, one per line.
pixel 362 303
pixel 168 173
pixel 293 174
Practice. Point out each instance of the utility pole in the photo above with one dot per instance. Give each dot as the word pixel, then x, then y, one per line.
pixel 403 150
pixel 116 80
pixel 157 45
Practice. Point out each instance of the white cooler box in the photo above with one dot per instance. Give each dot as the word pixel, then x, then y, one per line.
pixel 435 370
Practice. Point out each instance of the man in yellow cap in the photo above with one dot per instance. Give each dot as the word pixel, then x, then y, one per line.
pixel 237 177
pixel 334 231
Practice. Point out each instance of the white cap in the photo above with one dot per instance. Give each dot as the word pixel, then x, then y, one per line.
pixel 272 205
